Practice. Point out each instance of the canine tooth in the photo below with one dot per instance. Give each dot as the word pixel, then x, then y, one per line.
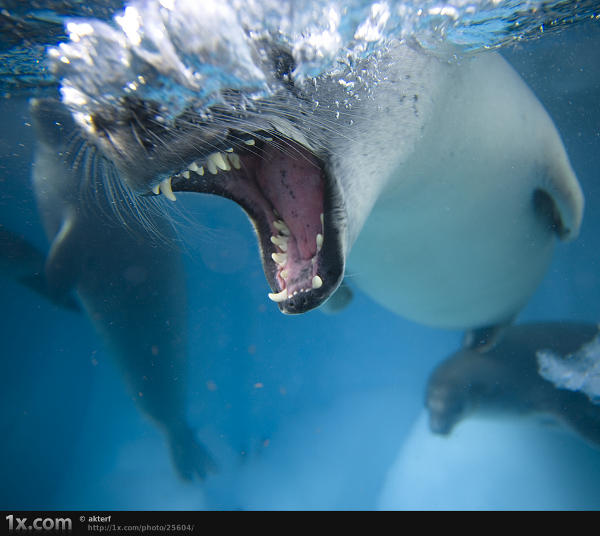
pixel 156 189
pixel 220 161
pixel 235 160
pixel 201 170
pixel 229 150
pixel 281 227
pixel 249 142
pixel 165 188
pixel 280 242
pixel 211 166
pixel 279 258
pixel 317 282
pixel 280 296
pixel 319 241
pixel 284 274
pixel 193 167
pixel 322 220
pixel 186 174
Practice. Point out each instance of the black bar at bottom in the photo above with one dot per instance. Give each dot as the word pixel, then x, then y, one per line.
pixel 102 522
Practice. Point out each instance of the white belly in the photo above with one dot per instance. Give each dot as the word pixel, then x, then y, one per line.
pixel 452 262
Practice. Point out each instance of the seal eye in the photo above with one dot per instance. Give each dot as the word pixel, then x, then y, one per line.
pixel 140 116
pixel 283 65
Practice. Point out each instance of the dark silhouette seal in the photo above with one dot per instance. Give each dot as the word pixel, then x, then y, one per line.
pixel 505 380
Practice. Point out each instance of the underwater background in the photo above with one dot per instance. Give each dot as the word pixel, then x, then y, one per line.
pixel 316 411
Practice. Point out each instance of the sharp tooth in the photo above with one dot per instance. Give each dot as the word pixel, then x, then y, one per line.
pixel 280 242
pixel 165 188
pixel 235 160
pixel 322 221
pixel 280 296
pixel 317 282
pixel 229 150
pixel 281 227
pixel 211 166
pixel 186 174
pixel 220 161
pixel 201 170
pixel 193 167
pixel 156 190
pixel 249 142
pixel 279 258
pixel 284 274
pixel 319 241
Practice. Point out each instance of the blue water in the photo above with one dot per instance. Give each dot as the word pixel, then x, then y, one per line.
pixel 314 411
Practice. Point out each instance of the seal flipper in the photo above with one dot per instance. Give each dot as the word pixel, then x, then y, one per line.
pixel 484 339
pixel 189 456
pixel 560 200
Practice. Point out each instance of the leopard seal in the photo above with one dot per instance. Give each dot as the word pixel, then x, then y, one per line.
pixel 132 289
pixel 442 184
pixel 505 381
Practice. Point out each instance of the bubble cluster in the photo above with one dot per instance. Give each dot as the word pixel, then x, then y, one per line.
pixel 184 53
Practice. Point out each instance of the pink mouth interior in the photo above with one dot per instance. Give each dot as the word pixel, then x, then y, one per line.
pixel 285 183
pixel 294 186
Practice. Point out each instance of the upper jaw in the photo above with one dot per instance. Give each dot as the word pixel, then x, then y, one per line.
pixel 140 134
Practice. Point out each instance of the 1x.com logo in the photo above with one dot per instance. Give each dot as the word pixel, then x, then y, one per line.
pixel 39 523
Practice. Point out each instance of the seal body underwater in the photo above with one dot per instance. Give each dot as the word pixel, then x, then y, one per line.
pixel 132 288
pixel 444 183
pixel 505 380
pixel 465 228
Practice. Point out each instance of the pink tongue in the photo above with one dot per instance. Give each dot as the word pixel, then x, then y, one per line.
pixel 293 184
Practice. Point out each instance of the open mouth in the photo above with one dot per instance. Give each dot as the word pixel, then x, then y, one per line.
pixel 286 192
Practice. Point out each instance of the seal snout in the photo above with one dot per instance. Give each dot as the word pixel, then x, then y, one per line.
pixel 445 410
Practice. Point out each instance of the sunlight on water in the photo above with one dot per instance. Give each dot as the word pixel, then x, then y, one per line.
pixel 182 53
